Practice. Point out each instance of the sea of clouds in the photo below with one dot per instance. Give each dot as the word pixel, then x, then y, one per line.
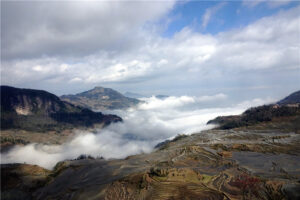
pixel 152 121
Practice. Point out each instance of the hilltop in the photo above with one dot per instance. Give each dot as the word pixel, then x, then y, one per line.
pixel 101 98
pixel 291 99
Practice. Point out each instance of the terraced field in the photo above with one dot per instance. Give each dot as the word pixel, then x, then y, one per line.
pixel 213 164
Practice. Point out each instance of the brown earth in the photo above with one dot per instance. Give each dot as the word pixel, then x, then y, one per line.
pixel 214 164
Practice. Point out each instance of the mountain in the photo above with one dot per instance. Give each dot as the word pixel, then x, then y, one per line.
pixel 101 98
pixel 38 110
pixel 287 108
pixel 291 99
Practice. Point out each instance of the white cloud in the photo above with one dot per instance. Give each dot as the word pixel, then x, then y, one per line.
pixel 220 96
pixel 256 102
pixel 169 102
pixel 71 28
pixel 266 43
pixel 270 3
pixel 209 12
pixel 37 68
pixel 266 48
pixel 279 3
pixel 252 3
pixel 176 102
pixel 76 79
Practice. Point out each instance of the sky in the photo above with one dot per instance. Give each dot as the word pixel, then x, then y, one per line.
pixel 243 49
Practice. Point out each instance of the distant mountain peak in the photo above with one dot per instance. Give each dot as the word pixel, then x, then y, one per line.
pixel 100 98
pixel 99 87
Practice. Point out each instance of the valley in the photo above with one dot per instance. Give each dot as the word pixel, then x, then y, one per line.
pixel 255 155
pixel 213 164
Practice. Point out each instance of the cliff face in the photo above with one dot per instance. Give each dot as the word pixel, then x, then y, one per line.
pixel 39 110
pixel 101 98
pixel 29 102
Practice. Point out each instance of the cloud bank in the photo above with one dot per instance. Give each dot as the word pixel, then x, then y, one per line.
pixel 120 45
pixel 70 28
pixel 152 122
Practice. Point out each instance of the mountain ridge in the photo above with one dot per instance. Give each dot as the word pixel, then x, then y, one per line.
pixel 290 99
pixel 287 107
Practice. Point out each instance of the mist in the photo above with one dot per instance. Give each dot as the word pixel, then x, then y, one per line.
pixel 152 121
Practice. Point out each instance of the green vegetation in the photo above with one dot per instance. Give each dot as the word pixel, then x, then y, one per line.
pixel 13 140
pixel 84 156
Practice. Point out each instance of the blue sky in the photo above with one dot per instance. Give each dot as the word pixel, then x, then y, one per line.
pixel 230 15
pixel 244 49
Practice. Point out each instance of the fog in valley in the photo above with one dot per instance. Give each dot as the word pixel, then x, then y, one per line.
pixel 151 122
